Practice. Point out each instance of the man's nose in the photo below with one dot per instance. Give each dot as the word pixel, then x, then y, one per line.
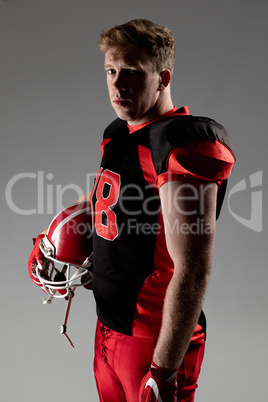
pixel 120 82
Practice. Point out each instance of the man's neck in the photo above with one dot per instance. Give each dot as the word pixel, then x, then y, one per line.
pixel 163 106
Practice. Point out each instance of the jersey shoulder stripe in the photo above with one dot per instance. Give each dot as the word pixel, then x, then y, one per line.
pixel 190 147
pixel 174 132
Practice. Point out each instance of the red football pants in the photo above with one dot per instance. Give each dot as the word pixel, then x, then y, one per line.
pixel 121 361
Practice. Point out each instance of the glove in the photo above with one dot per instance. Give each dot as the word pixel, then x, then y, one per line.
pixel 86 280
pixel 159 385
pixel 36 257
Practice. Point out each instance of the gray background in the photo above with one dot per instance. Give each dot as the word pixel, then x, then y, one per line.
pixel 54 107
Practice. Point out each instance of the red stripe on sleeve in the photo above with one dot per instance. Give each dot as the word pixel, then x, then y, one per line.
pixel 206 159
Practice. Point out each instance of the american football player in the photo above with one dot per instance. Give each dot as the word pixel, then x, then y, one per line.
pixel 154 204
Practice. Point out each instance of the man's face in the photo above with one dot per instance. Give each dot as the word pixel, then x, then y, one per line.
pixel 132 84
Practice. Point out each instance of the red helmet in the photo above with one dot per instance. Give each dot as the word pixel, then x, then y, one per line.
pixel 68 251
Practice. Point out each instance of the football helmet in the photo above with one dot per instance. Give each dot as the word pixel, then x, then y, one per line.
pixel 68 252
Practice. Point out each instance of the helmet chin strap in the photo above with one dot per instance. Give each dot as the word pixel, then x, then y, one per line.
pixel 69 297
pixel 63 329
pixel 69 293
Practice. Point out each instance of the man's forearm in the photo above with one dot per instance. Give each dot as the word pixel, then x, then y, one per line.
pixel 183 303
pixel 191 252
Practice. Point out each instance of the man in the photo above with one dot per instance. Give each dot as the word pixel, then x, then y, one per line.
pixel 154 206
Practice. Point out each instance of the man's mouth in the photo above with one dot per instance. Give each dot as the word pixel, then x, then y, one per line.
pixel 121 102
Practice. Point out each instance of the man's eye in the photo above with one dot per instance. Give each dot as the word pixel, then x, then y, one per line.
pixel 110 71
pixel 132 72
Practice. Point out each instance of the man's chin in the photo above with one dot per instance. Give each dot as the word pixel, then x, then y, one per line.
pixel 123 114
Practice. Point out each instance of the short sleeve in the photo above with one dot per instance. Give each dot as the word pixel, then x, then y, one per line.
pixel 205 159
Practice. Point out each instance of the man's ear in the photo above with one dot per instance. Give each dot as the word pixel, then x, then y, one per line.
pixel 165 78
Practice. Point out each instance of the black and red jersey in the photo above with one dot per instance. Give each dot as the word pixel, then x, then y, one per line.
pixel 132 267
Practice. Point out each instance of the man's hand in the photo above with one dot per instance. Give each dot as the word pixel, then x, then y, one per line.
pixel 36 257
pixel 159 385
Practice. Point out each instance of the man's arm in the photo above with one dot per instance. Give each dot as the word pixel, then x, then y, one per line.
pixel 189 213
